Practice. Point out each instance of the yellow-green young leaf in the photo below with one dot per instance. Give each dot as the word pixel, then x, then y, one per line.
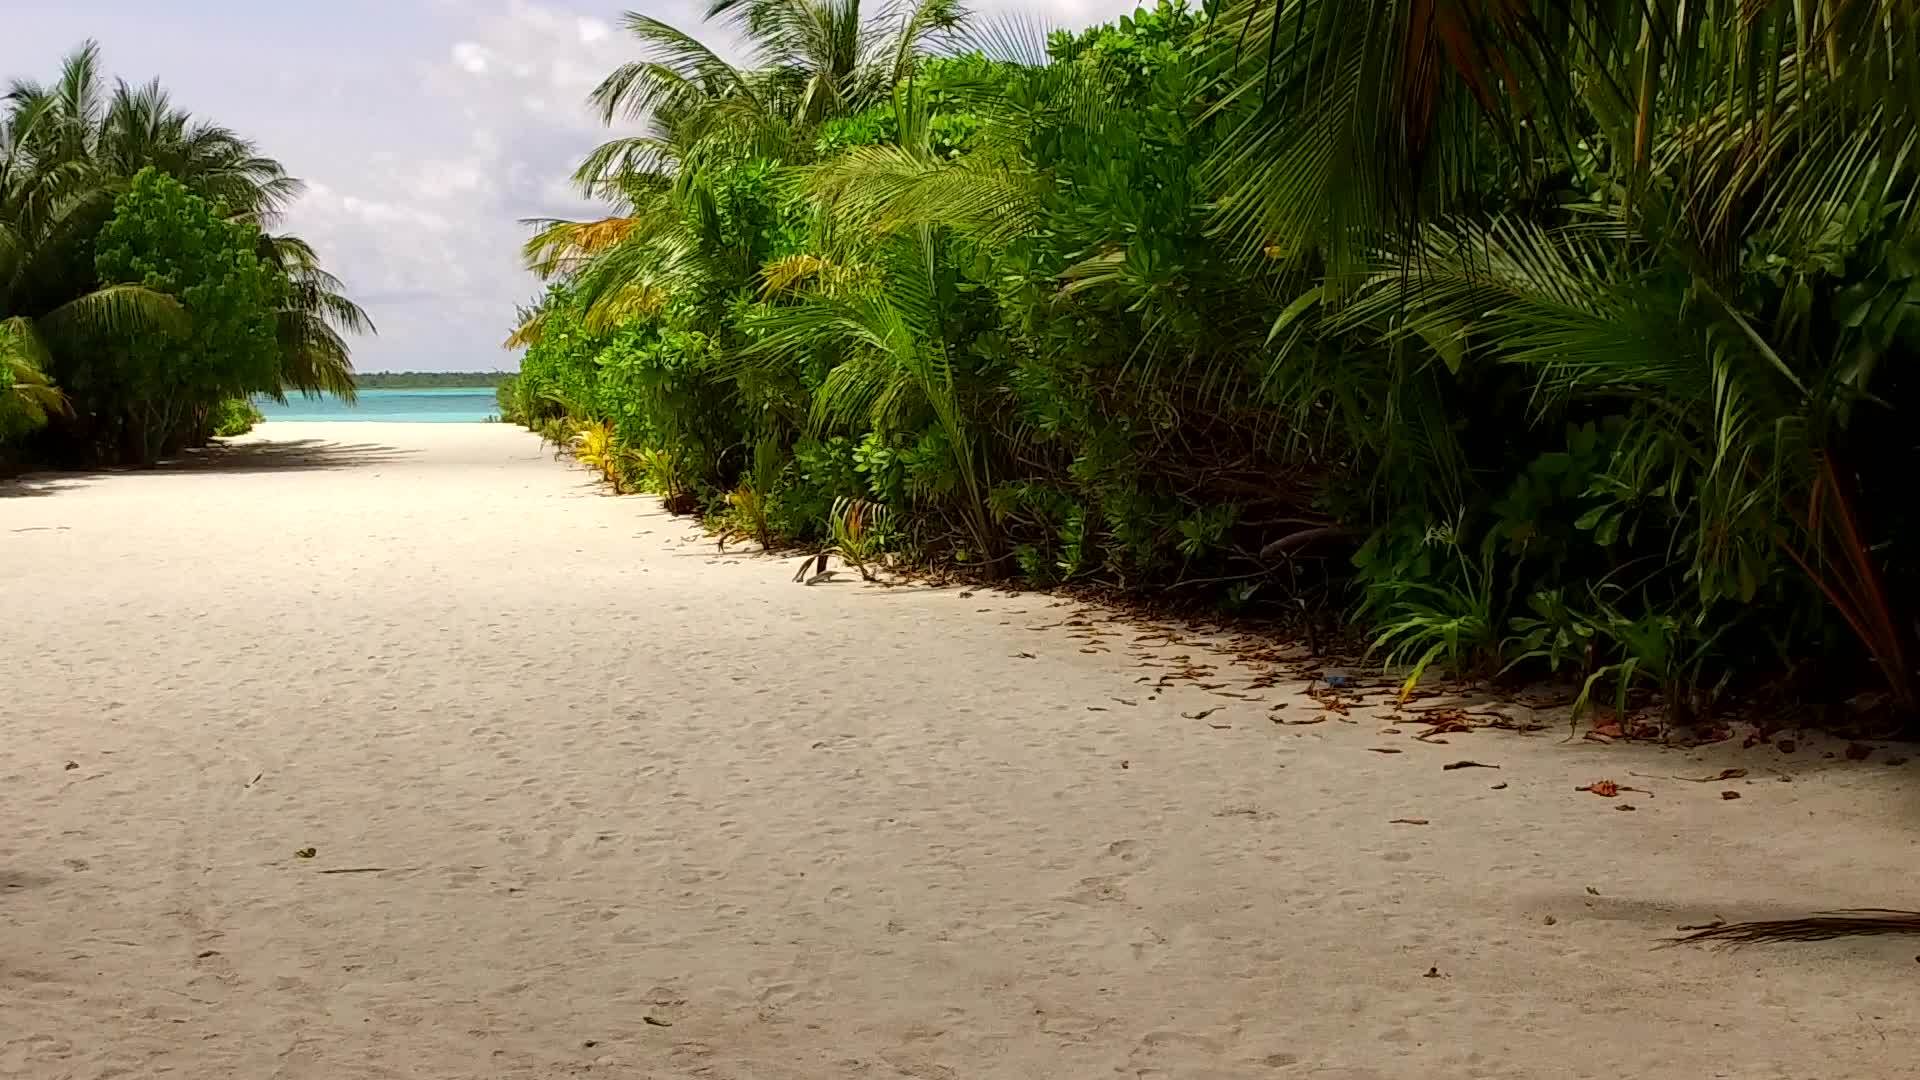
pixel 1293 312
pixel 1446 341
pixel 1608 531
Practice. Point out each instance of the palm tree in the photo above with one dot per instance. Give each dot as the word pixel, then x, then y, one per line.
pixel 314 357
pixel 49 205
pixel 68 149
pixel 141 128
pixel 810 60
pixel 73 145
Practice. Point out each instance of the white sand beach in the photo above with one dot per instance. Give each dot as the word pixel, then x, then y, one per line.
pixel 586 798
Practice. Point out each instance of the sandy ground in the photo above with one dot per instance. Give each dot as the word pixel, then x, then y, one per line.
pixel 584 803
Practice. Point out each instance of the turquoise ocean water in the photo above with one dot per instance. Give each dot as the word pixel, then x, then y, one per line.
pixel 435 405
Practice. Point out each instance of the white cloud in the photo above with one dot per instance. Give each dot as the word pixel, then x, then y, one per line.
pixel 445 179
pixel 324 204
pixel 472 58
pixel 571 77
pixel 593 30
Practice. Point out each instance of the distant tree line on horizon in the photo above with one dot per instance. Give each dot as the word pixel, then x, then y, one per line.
pixel 143 296
pixel 1531 336
pixel 404 380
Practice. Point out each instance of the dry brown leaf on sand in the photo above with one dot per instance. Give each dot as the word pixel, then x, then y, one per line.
pixel 1467 765
pixel 1729 794
pixel 1203 713
pixel 1445 723
pixel 1607 789
pixel 1329 700
pixel 1383 750
pixel 1408 821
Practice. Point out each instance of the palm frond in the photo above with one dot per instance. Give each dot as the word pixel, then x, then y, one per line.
pixel 529 332
pixel 1827 926
pixel 26 391
pixel 890 188
pixel 115 310
pixel 682 68
pixel 559 247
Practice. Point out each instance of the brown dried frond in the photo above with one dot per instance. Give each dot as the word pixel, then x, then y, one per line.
pixel 1825 926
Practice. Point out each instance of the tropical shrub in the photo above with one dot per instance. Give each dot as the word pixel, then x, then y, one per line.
pixel 164 238
pixel 233 416
pixel 1540 337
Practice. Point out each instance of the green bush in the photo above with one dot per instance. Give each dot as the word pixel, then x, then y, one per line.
pixel 1143 311
pixel 234 416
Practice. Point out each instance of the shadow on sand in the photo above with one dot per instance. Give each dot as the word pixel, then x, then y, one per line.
pixel 293 455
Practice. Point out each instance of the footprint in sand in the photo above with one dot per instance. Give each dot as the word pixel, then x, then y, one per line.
pixel 1173 1048
pixel 1071 1026
pixel 1095 890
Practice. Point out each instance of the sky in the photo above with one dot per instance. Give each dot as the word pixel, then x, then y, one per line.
pixel 426 130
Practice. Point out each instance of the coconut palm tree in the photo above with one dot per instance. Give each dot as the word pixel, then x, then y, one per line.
pixel 49 302
pixel 27 396
pixel 68 149
pixel 314 356
pixel 50 204
pixel 809 60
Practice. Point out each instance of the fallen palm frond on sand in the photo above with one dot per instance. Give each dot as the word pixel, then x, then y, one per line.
pixel 1858 922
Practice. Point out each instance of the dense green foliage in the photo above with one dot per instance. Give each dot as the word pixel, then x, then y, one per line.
pixel 412 380
pixel 234 416
pixel 137 290
pixel 1537 337
pixel 164 380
